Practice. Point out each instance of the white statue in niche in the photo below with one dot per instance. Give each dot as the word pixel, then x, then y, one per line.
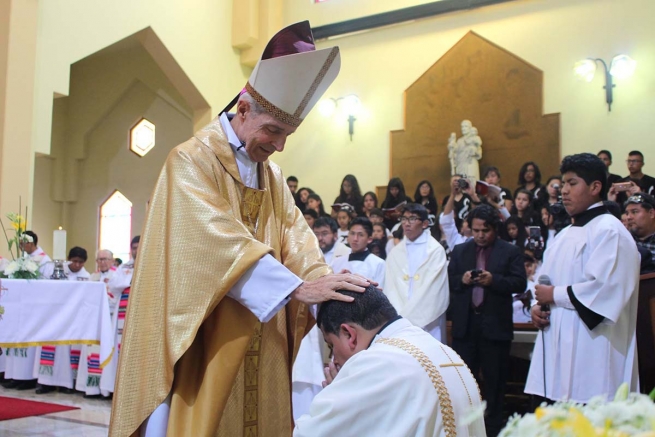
pixel 465 152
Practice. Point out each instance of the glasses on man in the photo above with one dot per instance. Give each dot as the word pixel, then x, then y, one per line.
pixel 411 219
pixel 322 234
pixel 103 259
pixel 633 161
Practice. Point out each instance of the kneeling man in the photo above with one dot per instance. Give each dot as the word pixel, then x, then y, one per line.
pixel 388 377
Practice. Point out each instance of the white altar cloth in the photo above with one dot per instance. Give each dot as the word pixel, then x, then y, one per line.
pixel 46 312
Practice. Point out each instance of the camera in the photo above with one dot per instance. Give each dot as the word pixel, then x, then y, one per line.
pixel 462 183
pixel 475 273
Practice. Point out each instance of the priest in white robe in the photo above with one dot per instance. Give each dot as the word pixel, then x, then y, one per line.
pixel 389 378
pixel 587 345
pixel 326 231
pixel 416 275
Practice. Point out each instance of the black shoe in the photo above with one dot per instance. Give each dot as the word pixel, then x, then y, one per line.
pixel 26 385
pixel 65 390
pixel 43 389
pixel 108 398
pixel 10 383
pixel 92 396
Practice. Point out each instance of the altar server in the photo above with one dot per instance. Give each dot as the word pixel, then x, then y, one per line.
pixel 361 260
pixel 417 275
pixel 30 245
pixel 587 344
pixel 388 378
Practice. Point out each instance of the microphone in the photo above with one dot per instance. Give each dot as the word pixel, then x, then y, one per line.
pixel 544 280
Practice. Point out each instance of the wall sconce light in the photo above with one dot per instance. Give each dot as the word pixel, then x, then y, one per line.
pixel 348 105
pixel 621 67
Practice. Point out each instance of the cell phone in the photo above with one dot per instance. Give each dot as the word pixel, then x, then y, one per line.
pixel 475 273
pixel 534 232
pixel 622 186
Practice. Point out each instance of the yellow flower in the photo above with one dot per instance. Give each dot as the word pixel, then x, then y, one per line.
pixel 576 422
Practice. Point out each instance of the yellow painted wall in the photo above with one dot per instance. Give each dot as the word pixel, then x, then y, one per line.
pixel 109 93
pixel 550 34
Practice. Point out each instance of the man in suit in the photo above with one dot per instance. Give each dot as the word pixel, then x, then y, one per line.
pixel 484 273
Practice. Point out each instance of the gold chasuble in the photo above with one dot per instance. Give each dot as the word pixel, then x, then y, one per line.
pixel 230 375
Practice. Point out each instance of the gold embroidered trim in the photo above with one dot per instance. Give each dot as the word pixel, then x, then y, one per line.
pixel 317 81
pixel 435 377
pixel 250 207
pixel 276 112
pixel 251 384
pixel 460 375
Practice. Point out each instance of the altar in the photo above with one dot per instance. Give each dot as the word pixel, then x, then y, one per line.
pixel 46 312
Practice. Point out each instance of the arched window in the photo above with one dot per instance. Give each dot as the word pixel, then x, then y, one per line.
pixel 116 225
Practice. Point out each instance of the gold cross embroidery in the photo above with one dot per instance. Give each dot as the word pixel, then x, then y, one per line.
pixel 250 207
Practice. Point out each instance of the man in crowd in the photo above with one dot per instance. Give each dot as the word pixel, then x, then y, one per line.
pixel 640 217
pixel 106 270
pixel 57 365
pixel 586 346
pixel 635 163
pixel 20 362
pixel 388 378
pixel 485 273
pixel 228 266
pixel 417 276
pixel 361 260
pixel 326 231
pixel 606 157
pixel 292 183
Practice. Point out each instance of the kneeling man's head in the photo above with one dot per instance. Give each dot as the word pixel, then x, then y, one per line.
pixel 349 327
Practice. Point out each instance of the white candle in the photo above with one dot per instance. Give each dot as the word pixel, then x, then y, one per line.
pixel 59 244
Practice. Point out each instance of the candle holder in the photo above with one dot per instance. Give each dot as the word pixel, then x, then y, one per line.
pixel 58 273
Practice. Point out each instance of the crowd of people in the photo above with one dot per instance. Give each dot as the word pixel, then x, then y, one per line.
pixel 485 274
pixel 74 368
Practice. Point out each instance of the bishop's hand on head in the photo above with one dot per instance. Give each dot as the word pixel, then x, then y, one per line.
pixel 325 288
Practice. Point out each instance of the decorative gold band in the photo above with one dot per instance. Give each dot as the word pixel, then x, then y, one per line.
pixel 276 112
pixel 436 378
pixel 317 81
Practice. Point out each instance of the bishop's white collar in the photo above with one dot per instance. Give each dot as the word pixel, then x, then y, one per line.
pixel 247 167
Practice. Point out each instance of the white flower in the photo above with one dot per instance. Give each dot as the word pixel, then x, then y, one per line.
pixel 30 266
pixel 12 268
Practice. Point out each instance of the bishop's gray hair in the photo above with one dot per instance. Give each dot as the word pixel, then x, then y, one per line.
pixel 255 107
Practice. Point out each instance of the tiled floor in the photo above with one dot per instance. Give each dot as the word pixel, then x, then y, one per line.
pixel 91 420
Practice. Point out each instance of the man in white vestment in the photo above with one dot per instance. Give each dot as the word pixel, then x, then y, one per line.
pixel 53 365
pixel 307 374
pixel 416 279
pixel 587 345
pixel 19 363
pixel 361 260
pixel 119 285
pixel 106 270
pixel 388 378
pixel 31 246
pixel 326 230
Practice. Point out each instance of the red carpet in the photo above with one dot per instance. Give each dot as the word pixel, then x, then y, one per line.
pixel 12 408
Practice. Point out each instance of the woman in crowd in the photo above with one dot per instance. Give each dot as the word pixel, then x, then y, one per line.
pixel 530 179
pixel 370 202
pixel 314 202
pixel 491 176
pixel 523 207
pixel 553 186
pixel 302 196
pixel 350 194
pixel 515 232
pixel 424 195
pixel 377 248
pixel 395 196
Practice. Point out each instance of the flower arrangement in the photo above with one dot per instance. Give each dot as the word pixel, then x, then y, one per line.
pixel 629 414
pixel 21 266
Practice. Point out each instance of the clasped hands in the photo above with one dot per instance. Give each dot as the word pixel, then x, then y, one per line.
pixel 484 279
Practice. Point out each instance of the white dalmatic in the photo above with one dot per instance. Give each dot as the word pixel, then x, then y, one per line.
pixel 417 283
pixel 597 263
pixel 399 386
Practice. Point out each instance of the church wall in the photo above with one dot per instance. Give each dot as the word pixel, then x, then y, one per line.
pixel 550 34
pixel 109 93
